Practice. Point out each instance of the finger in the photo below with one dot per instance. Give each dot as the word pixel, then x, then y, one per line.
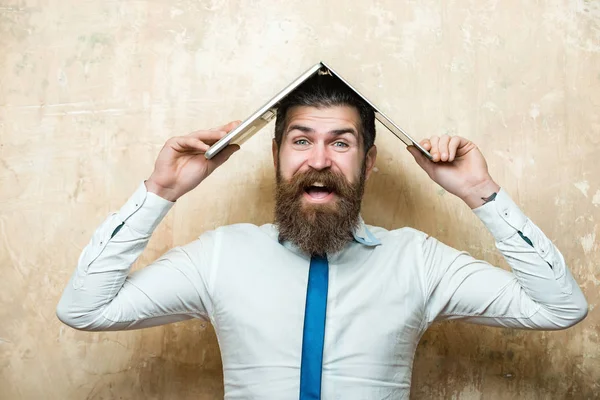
pixel 209 137
pixel 426 144
pixel 443 147
pixel 452 147
pixel 435 153
pixel 227 127
pixel 188 144
pixel 420 158
pixel 464 146
pixel 223 156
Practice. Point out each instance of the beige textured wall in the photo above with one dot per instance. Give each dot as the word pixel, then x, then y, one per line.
pixel 90 90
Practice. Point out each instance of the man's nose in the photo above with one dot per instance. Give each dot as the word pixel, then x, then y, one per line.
pixel 319 158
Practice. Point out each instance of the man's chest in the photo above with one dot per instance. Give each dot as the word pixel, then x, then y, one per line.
pixel 374 310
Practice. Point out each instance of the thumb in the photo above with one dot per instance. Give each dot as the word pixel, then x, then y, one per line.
pixel 420 158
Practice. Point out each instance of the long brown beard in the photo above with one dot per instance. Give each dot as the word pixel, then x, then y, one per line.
pixel 318 228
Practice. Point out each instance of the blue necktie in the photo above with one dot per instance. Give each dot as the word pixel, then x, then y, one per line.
pixel 314 329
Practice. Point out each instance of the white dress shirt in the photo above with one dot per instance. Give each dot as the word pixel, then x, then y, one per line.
pixel 385 289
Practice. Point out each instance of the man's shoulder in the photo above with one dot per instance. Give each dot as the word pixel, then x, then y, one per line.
pixel 241 230
pixel 403 234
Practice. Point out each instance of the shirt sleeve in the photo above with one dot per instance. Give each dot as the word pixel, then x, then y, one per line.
pixel 101 295
pixel 539 293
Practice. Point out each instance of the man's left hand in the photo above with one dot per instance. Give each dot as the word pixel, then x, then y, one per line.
pixel 458 166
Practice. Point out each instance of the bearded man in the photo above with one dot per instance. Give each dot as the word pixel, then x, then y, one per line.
pixel 319 304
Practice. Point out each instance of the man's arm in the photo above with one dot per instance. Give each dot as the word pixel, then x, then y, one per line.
pixel 540 293
pixel 101 295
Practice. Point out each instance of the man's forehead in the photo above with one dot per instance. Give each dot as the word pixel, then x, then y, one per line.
pixel 335 115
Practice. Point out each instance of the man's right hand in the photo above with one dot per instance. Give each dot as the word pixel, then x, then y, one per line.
pixel 181 165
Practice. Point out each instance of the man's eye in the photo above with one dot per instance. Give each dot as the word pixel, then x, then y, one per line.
pixel 340 144
pixel 301 142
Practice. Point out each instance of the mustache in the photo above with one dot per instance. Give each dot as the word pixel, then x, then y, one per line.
pixel 333 181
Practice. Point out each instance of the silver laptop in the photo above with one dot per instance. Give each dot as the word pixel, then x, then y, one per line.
pixel 268 112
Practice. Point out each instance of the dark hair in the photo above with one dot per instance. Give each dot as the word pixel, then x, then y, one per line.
pixel 326 91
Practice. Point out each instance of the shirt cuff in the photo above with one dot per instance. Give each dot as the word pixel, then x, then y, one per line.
pixel 144 210
pixel 502 216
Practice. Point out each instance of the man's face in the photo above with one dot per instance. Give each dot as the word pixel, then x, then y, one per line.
pixel 321 168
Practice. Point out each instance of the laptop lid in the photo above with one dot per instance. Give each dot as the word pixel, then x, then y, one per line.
pixel 268 112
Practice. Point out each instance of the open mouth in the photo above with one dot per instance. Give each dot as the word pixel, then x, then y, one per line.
pixel 318 191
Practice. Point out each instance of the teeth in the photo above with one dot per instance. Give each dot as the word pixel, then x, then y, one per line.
pixel 318 184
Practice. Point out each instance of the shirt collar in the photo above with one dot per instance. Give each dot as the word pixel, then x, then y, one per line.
pixel 363 235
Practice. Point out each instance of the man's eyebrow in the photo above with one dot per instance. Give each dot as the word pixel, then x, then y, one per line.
pixel 301 128
pixel 343 131
pixel 336 132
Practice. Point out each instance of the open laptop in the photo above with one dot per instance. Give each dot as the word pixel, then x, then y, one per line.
pixel 268 112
